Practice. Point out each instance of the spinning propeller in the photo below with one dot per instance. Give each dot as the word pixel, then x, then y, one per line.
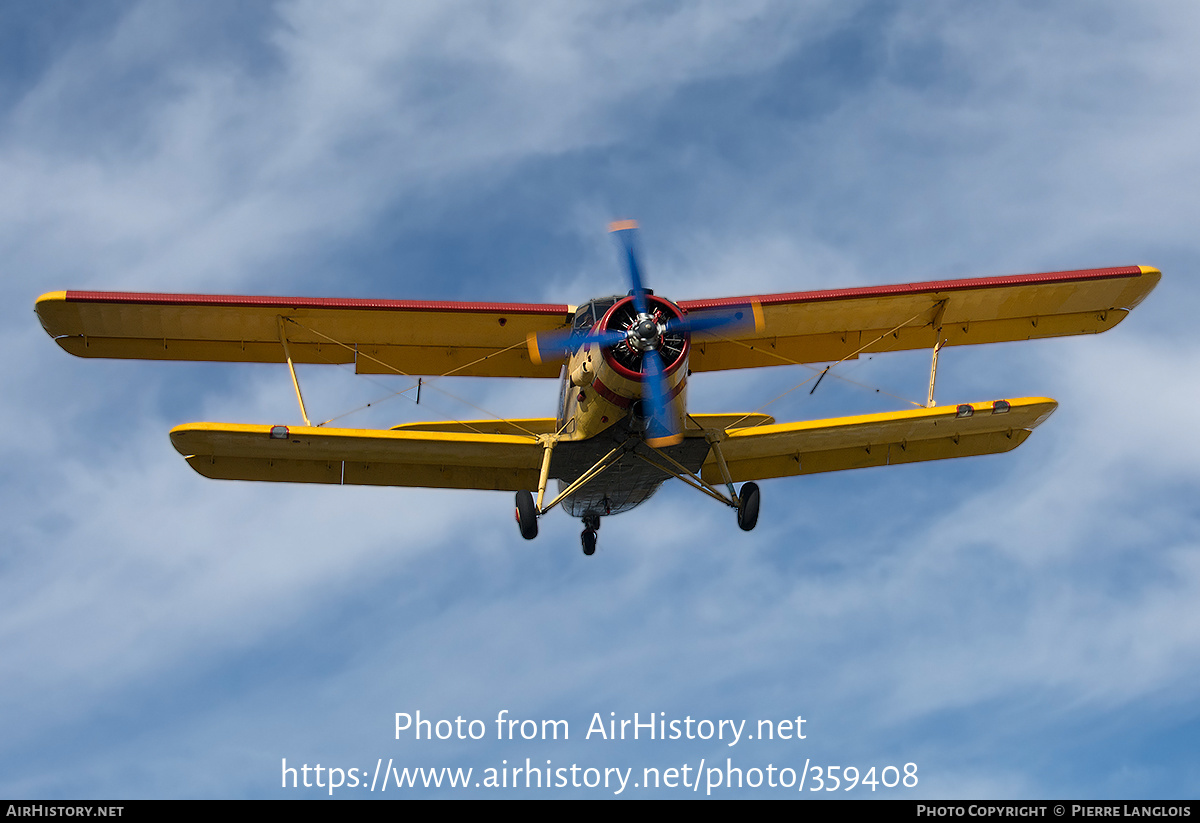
pixel 644 335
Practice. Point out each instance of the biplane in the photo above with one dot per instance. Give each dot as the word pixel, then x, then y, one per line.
pixel 624 361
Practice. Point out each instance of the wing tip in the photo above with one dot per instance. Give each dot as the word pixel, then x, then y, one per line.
pixel 51 297
pixel 1152 277
pixel 1050 404
pixel 48 309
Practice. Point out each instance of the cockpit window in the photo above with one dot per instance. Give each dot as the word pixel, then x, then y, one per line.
pixel 589 314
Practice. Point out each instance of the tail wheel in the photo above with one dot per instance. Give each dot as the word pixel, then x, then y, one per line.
pixel 589 542
pixel 526 515
pixel 748 506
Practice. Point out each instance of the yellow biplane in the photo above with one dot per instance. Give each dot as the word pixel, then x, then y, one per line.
pixel 622 427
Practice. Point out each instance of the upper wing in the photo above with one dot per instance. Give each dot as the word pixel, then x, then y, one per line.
pixel 488 339
pixel 377 336
pixel 304 454
pixel 822 326
pixel 887 439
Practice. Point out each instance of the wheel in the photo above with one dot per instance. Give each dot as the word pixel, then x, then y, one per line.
pixel 526 515
pixel 748 506
pixel 589 542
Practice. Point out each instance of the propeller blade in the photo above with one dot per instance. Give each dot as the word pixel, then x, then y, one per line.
pixel 730 319
pixel 626 232
pixel 551 346
pixel 661 429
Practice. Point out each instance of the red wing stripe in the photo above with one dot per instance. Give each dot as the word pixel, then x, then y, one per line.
pixel 157 298
pixel 153 298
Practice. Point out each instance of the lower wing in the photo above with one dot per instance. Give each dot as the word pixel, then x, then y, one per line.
pixel 365 457
pixel 937 433
pixel 508 457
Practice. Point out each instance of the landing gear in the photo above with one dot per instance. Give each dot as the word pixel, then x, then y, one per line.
pixel 526 515
pixel 591 524
pixel 748 507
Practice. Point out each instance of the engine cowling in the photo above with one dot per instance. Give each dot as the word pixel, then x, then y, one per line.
pixel 627 357
pixel 607 384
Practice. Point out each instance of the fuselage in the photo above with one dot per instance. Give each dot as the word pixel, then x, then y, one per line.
pixel 601 405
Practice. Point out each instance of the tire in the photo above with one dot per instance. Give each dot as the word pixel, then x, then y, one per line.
pixel 589 542
pixel 526 515
pixel 748 506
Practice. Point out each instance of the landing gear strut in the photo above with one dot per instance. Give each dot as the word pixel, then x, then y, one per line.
pixel 526 515
pixel 748 506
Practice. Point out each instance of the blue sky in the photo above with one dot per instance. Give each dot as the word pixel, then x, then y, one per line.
pixel 1017 626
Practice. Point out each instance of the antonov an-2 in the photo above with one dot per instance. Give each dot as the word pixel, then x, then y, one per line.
pixel 622 426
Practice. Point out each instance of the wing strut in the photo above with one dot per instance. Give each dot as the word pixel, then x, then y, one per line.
pixel 939 309
pixel 937 347
pixel 606 462
pixel 548 443
pixel 287 352
pixel 358 353
pixel 691 478
pixel 715 442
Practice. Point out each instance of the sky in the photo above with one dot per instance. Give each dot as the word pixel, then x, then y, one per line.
pixel 1015 626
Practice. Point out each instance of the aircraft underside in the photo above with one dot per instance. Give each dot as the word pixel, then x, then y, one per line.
pixel 629 481
pixel 617 469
